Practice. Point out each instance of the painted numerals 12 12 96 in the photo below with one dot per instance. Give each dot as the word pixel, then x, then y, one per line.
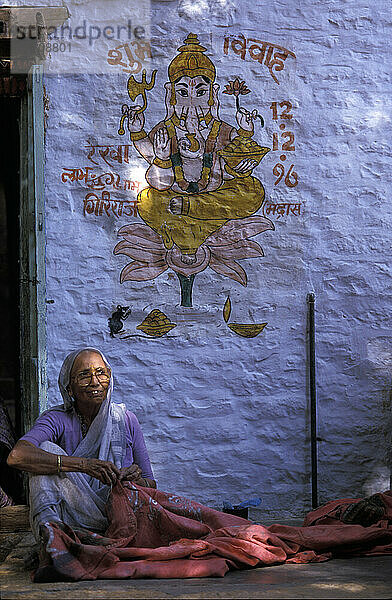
pixel 286 143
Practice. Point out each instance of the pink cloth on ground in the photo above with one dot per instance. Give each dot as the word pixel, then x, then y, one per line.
pixel 161 535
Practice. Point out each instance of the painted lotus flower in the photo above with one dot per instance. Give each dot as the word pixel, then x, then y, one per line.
pixel 236 87
pixel 219 252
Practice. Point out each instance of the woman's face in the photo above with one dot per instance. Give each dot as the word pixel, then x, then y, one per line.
pixel 88 384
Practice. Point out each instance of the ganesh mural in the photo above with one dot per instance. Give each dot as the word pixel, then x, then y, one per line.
pixel 199 209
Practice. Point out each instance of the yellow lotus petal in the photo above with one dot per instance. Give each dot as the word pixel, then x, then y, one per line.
pixel 227 309
pixel 156 330
pixel 247 330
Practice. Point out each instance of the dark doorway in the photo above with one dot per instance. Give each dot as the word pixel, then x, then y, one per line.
pixel 9 257
pixel 10 396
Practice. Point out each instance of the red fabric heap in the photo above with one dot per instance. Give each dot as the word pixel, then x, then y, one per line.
pixel 160 535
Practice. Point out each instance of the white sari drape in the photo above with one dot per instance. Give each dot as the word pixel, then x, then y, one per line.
pixel 76 498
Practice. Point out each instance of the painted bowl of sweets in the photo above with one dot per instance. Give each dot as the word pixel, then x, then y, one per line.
pixel 156 324
pixel 241 148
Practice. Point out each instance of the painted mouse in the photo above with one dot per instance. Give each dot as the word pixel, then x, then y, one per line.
pixel 115 322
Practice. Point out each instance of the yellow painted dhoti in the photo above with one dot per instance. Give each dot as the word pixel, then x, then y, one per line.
pixel 204 212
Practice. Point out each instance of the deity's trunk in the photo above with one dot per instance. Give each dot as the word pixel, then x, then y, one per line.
pixel 186 284
pixel 192 120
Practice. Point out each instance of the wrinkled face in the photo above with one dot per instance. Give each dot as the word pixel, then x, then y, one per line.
pixel 89 381
pixel 192 93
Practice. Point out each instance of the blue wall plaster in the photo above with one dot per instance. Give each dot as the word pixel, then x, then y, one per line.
pixel 227 417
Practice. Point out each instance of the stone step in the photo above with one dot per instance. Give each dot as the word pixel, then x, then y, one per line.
pixel 14 518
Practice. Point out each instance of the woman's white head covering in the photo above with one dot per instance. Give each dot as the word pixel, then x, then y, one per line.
pixel 65 375
pixel 105 438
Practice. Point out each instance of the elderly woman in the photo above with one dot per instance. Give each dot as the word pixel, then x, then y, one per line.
pixel 78 450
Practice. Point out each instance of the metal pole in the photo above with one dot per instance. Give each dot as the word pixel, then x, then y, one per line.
pixel 313 398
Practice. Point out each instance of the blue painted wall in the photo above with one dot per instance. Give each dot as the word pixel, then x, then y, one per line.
pixel 227 417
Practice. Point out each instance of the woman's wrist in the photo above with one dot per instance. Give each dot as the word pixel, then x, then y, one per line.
pixel 143 482
pixel 150 483
pixel 73 463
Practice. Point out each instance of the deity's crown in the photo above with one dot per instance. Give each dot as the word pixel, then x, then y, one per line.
pixel 191 62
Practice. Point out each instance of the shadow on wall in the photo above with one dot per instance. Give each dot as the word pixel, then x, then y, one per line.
pixel 379 481
pixel 379 354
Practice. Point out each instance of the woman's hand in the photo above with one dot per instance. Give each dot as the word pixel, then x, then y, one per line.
pixel 103 470
pixel 132 473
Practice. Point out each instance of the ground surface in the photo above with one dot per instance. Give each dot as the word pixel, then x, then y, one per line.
pixel 342 578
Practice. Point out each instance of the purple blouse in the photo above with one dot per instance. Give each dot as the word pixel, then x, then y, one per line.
pixel 64 429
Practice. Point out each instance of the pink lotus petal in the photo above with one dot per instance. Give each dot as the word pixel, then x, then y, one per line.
pixel 141 235
pixel 146 255
pixel 173 259
pixel 236 230
pixel 139 242
pixel 137 271
pixel 243 249
pixel 229 269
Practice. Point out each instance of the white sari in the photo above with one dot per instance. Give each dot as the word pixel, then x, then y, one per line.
pixel 74 498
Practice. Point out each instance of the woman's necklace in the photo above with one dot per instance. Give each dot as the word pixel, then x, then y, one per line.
pixel 192 187
pixel 83 423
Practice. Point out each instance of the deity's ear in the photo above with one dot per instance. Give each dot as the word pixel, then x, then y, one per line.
pixel 215 99
pixel 168 98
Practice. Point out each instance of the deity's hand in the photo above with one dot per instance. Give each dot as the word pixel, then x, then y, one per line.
pixel 132 473
pixel 135 119
pixel 191 146
pixel 103 470
pixel 247 164
pixel 245 119
pixel 161 144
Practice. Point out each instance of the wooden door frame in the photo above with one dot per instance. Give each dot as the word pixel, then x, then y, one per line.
pixel 33 353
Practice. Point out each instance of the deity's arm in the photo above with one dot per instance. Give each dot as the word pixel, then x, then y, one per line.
pixel 160 177
pixel 229 133
pixel 145 149
pixel 160 174
pixel 233 134
pixel 141 141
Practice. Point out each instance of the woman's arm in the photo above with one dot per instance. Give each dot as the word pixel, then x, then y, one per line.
pixel 140 471
pixel 25 456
